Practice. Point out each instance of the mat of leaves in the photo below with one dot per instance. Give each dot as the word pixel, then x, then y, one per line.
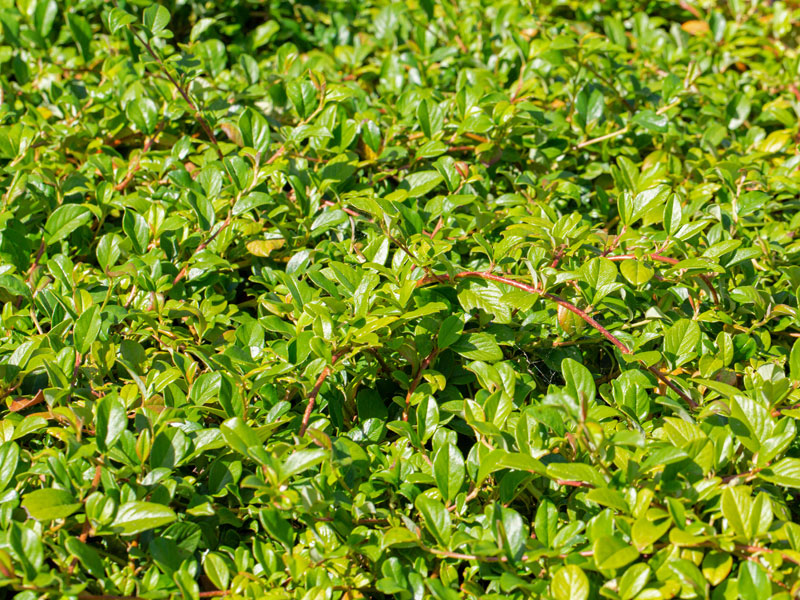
pixel 413 300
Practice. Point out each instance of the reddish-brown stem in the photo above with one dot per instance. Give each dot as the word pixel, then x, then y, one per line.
pixel 577 484
pixel 422 366
pixel 615 242
pixel 182 273
pixel 688 7
pixel 184 93
pixel 280 151
pixel 672 261
pixel 469 498
pixel 348 211
pixel 570 307
pixel 134 168
pixel 36 260
pixel 756 549
pixel 462 556
pixel 312 397
pixel 779 411
pixel 559 254
pixel 477 138
pixel 747 475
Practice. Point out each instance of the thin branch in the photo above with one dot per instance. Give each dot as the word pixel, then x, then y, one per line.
pixel 134 168
pixel 759 549
pixel 282 149
pixel 747 475
pixel 183 92
pixel 182 273
pixel 610 84
pixel 312 397
pixel 462 556
pixel 469 498
pixel 672 261
pixel 603 138
pixel 36 260
pixel 569 306
pixel 571 483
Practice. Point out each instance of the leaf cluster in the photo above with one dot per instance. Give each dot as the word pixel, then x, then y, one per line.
pixel 418 300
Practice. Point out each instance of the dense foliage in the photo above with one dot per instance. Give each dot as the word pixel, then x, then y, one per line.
pixel 416 300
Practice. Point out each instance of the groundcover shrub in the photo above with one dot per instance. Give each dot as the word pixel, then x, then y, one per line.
pixel 415 300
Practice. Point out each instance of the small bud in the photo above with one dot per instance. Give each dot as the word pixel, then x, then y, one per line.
pixel 463 169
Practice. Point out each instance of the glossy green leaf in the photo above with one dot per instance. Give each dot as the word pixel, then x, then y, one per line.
pixel 136 517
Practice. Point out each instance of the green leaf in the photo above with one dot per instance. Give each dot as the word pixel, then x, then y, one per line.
pixel 427 418
pixel 278 528
pixel 44 15
pixel 600 274
pixel 794 361
pixel 301 460
pixel 155 18
pixel 255 130
pixel 449 331
pixel 118 18
pixel 546 522
pixel 690 576
pixel 785 472
pixel 137 230
pixel 9 458
pixel 436 518
pixel 611 553
pixel 136 517
pixel 64 220
pixel 513 532
pixel 570 583
pixel 580 383
pixel 87 556
pixel 216 570
pixel 87 328
pixel 754 582
pixel 27 547
pixel 608 497
pixel 651 121
pixel 239 435
pixel 736 506
pixel 636 271
pixel 110 421
pixel 303 96
pixel 716 566
pixel 478 346
pixel 143 112
pixel 633 581
pixel 680 342
pixel 575 472
pixel 430 118
pixel 48 504
pixel 81 33
pixel 448 470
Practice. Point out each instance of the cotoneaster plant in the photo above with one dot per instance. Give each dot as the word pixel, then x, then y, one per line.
pixel 399 300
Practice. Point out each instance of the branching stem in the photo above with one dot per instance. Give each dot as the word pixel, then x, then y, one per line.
pixel 672 261
pixel 312 397
pixel 570 307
